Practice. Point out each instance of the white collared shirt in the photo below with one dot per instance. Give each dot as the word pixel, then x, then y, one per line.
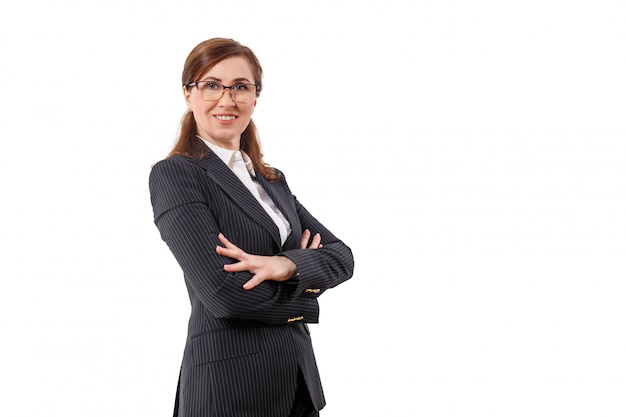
pixel 230 158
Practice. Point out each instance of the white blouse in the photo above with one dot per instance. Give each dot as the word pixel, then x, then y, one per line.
pixel 241 164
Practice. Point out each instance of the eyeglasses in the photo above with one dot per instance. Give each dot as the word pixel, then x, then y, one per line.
pixel 213 91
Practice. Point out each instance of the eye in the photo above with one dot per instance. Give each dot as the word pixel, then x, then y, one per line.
pixel 211 85
pixel 240 87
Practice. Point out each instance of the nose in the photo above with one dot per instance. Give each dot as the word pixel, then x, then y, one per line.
pixel 228 98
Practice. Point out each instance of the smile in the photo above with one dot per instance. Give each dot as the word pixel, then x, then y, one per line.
pixel 225 118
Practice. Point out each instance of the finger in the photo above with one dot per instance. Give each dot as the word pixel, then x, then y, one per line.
pixel 230 250
pixel 306 234
pixel 253 282
pixel 235 253
pixel 237 267
pixel 227 243
pixel 316 242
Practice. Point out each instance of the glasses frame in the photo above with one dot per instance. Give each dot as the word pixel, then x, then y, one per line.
pixel 224 87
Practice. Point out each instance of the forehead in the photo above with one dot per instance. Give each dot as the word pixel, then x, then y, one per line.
pixel 230 69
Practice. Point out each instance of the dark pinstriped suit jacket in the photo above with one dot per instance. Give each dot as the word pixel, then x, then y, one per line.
pixel 244 348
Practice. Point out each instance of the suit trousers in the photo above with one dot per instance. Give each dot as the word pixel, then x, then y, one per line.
pixel 302 405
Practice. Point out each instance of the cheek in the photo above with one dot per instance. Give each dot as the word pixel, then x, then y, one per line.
pixel 249 110
pixel 199 106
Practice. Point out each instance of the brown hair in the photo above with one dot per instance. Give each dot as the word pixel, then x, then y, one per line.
pixel 201 59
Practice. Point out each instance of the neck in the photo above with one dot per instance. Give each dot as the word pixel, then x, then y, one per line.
pixel 232 145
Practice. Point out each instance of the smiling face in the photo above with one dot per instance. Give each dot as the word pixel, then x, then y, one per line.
pixel 221 122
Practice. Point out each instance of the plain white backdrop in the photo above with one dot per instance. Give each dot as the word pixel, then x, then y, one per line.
pixel 472 154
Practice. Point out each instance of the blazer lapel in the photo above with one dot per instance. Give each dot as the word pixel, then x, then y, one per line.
pixel 284 201
pixel 228 181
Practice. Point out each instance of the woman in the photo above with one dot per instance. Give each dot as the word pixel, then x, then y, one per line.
pixel 254 259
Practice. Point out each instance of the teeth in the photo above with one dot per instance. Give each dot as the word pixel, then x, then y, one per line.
pixel 225 117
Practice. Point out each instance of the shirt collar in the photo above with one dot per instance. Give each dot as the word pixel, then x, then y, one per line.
pixel 228 156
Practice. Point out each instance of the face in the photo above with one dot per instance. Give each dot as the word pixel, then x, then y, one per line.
pixel 221 122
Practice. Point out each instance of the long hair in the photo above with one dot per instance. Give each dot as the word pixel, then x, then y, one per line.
pixel 201 59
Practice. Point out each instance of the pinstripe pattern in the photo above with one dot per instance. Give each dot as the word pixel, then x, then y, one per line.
pixel 244 348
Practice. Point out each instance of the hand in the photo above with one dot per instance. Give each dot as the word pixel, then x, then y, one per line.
pixel 315 243
pixel 272 268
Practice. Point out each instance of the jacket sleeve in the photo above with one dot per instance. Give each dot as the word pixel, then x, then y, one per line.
pixel 188 226
pixel 323 268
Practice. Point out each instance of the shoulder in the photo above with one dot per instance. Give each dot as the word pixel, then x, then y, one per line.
pixel 280 176
pixel 175 162
pixel 175 173
pixel 280 184
pixel 174 167
pixel 175 181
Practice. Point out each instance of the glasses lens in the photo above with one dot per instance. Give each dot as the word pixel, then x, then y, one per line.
pixel 212 91
pixel 243 93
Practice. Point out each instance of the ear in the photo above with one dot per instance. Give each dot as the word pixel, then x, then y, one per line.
pixel 187 95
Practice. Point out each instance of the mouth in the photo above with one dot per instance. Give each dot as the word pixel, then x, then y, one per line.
pixel 225 118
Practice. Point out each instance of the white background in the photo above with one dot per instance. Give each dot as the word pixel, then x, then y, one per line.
pixel 472 154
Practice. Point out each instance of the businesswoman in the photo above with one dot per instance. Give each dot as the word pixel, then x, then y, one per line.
pixel 254 259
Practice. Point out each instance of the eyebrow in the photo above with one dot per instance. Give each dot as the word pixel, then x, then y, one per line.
pixel 236 80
